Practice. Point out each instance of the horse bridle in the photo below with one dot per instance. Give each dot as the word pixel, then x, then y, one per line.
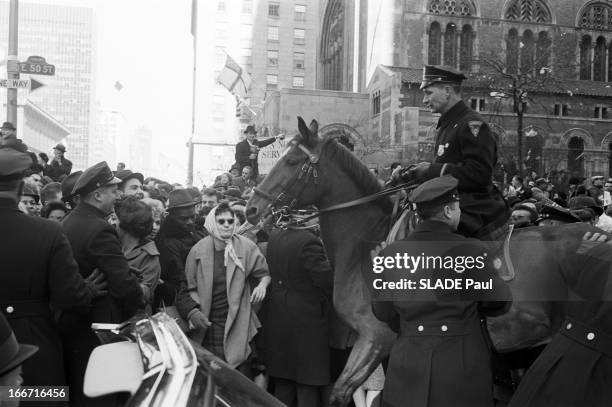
pixel 308 169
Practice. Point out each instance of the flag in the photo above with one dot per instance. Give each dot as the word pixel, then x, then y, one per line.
pixel 234 79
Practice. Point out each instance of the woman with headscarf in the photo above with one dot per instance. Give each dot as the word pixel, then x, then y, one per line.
pixel 219 270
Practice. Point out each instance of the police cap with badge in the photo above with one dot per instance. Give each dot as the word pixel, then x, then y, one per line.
pixel 441 74
pixel 94 177
pixel 435 192
pixel 557 213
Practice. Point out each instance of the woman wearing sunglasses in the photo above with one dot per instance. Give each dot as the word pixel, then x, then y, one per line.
pixel 220 269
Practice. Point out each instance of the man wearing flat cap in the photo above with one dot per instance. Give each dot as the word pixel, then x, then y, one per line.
pixel 96 246
pixel 466 149
pixel 248 149
pixel 440 357
pixel 38 273
pixel 59 165
pixel 131 183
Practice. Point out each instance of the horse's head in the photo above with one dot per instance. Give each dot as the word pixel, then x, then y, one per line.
pixel 295 179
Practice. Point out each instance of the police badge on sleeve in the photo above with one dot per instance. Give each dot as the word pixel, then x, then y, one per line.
pixel 475 127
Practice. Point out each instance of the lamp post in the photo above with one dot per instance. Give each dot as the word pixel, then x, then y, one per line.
pixel 12 65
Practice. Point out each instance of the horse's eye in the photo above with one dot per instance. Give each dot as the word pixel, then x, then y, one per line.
pixel 292 161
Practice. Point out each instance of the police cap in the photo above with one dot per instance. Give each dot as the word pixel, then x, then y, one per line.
pixel 441 74
pixel 95 177
pixel 68 184
pixel 557 213
pixel 435 192
pixel 13 163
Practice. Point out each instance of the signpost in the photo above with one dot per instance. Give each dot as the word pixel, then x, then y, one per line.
pixel 31 84
pixel 37 66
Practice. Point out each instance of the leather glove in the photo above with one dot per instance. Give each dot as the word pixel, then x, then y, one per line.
pixel 198 320
pixel 96 283
pixel 416 173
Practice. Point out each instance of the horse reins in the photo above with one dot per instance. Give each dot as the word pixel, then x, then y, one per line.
pixel 308 169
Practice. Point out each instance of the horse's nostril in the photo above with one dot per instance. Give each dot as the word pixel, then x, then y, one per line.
pixel 251 211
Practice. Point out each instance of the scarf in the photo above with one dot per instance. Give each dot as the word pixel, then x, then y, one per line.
pixel 211 226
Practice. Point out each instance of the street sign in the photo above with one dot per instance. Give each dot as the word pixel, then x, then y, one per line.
pixel 37 66
pixel 31 84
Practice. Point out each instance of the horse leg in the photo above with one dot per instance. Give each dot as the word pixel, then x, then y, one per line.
pixel 368 351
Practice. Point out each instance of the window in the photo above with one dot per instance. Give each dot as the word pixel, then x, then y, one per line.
pixel 453 8
pixel 271 81
pixel 300 12
pixel 561 109
pixel 450 45
pixel 601 112
pixel 221 6
pixel 298 60
pixel 272 58
pixel 465 57
pixel 273 9
pixel 247 6
pixel 585 58
pixel 299 35
pixel 599 60
pixel 435 44
pixel 272 33
pixel 376 103
pixel 298 81
pixel 528 10
pixel 478 104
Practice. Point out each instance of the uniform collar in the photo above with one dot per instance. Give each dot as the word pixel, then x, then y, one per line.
pixel 84 207
pixel 435 226
pixel 452 114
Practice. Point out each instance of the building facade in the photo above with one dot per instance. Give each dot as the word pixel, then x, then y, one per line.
pixel 561 51
pixel 65 37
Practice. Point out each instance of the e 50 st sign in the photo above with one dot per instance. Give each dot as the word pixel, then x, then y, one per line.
pixel 36 66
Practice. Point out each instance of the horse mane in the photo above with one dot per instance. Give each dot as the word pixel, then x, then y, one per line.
pixel 361 175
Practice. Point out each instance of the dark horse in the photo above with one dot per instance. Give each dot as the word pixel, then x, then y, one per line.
pixel 323 173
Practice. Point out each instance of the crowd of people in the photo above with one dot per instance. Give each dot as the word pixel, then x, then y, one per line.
pixel 116 244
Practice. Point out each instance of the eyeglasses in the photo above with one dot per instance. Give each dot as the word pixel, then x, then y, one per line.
pixel 222 221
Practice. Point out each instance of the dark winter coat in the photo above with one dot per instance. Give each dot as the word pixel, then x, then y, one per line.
pixel 296 322
pixel 38 270
pixel 243 153
pixel 466 149
pixel 55 170
pixel 95 245
pixel 174 245
pixel 575 369
pixel 441 357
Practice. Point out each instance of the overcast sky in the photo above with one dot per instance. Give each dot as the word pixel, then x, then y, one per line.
pixel 146 45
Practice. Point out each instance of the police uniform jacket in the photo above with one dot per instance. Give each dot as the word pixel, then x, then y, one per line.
pixel 243 153
pixel 299 301
pixel 466 149
pixel 575 368
pixel 441 357
pixel 38 270
pixel 95 244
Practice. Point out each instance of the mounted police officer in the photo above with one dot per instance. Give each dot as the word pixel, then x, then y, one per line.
pixel 466 149
pixel 441 357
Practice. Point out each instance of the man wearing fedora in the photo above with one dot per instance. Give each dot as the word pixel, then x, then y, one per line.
pixel 59 165
pixel 8 132
pixel 176 237
pixel 248 149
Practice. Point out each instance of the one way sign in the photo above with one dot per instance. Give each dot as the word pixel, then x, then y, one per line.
pixel 31 84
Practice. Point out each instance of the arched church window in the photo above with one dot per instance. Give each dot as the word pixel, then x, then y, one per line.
pixel 450 45
pixel 599 60
pixel 596 16
pixel 585 58
pixel 512 51
pixel 528 10
pixel 527 52
pixel 452 7
pixel 543 51
pixel 435 44
pixel 467 36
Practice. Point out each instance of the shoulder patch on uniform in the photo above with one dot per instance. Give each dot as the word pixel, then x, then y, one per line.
pixel 475 127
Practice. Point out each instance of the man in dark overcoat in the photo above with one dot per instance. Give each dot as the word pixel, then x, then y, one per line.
pixel 296 318
pixel 38 272
pixel 247 150
pixel 95 244
pixel 575 368
pixel 465 148
pixel 441 357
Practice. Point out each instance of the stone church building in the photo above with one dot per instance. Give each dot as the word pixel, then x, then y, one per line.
pixel 559 52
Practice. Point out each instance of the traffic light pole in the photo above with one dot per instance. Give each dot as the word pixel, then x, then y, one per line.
pixel 12 65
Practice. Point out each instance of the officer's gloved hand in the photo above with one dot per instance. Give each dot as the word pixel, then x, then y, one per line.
pixel 419 172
